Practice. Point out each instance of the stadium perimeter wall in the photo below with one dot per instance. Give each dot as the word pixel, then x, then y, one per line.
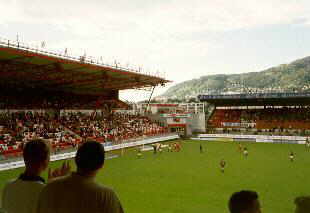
pixel 253 138
pixel 19 164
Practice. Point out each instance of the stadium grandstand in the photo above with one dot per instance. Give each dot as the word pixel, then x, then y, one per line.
pixel 259 113
pixel 66 100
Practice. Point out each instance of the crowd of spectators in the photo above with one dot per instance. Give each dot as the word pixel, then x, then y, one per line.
pixel 68 130
pixel 116 127
pixel 265 118
pixel 18 128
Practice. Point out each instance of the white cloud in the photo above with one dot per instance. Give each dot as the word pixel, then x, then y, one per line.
pixel 161 17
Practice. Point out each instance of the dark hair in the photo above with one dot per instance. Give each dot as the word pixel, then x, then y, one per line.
pixel 302 204
pixel 36 151
pixel 242 201
pixel 90 156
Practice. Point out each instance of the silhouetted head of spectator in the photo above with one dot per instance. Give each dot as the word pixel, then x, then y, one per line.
pixel 244 202
pixel 302 204
pixel 90 157
pixel 36 155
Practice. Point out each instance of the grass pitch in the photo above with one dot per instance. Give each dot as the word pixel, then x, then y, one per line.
pixel 189 181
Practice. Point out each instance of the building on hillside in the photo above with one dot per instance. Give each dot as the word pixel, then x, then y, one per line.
pixel 161 99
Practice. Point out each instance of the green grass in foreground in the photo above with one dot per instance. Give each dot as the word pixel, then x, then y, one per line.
pixel 192 182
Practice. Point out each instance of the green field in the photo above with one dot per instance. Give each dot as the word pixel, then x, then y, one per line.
pixel 192 182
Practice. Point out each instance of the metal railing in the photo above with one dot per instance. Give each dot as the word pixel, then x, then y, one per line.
pixel 40 49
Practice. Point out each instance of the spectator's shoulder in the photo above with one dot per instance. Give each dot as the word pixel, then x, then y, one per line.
pixel 106 190
pixel 8 184
pixel 11 181
pixel 55 182
pixel 16 182
pixel 103 188
pixel 111 200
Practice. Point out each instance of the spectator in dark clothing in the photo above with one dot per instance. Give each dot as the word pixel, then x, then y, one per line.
pixel 244 202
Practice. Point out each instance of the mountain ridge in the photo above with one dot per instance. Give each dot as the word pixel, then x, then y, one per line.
pixel 284 77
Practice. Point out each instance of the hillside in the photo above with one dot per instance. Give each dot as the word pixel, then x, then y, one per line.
pixel 285 77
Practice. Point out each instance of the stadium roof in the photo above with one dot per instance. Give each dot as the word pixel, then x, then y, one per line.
pixel 25 67
pixel 258 99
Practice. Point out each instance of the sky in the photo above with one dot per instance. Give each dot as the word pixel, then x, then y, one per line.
pixel 179 39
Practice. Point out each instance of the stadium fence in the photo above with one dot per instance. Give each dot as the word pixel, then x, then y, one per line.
pixel 254 138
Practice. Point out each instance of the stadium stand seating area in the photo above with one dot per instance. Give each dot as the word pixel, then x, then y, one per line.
pixel 68 130
pixel 19 127
pixel 116 127
pixel 284 118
